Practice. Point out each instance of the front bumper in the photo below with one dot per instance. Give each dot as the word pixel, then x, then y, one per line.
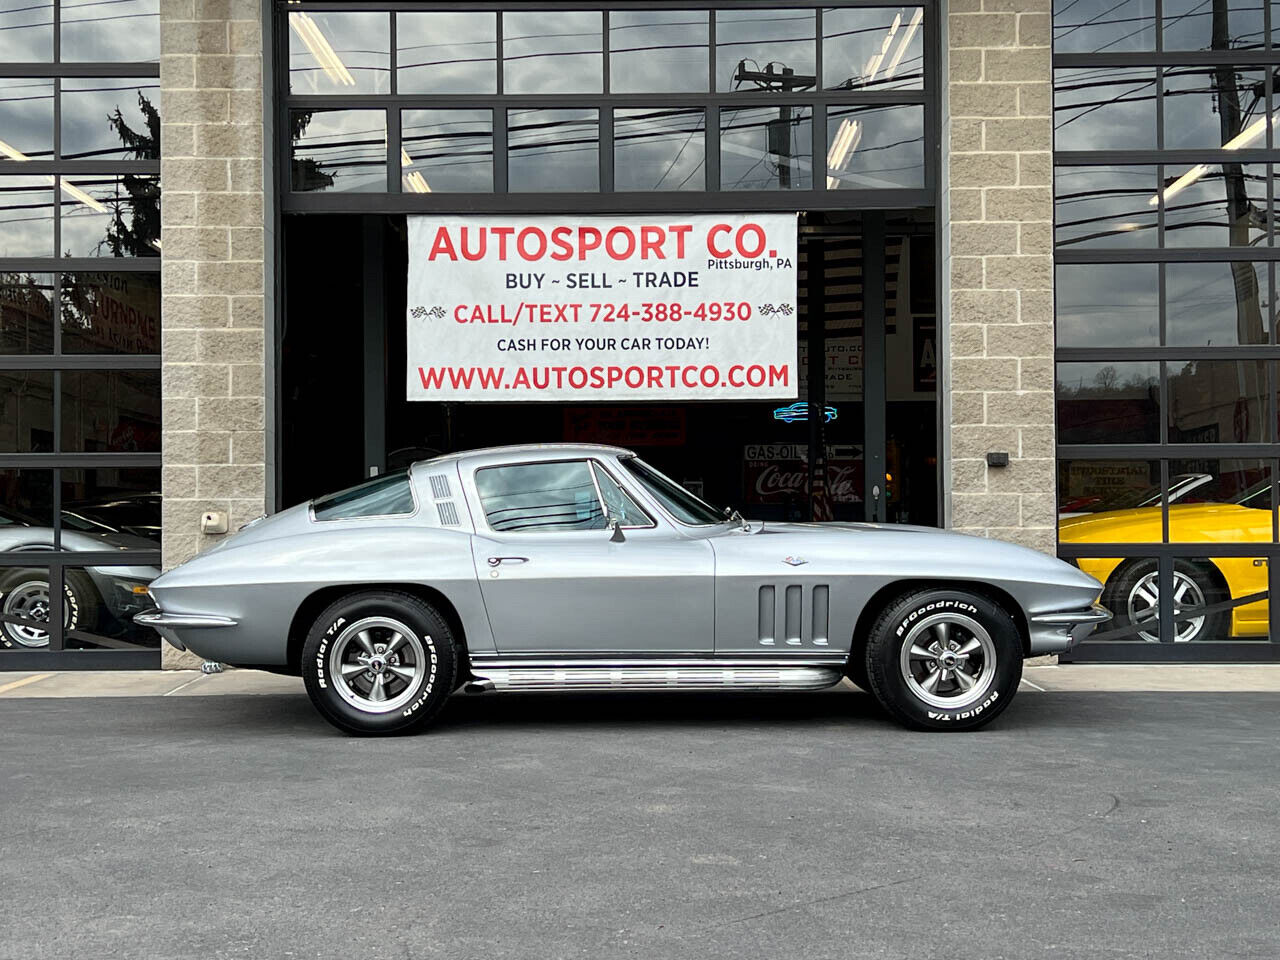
pixel 167 624
pixel 1060 630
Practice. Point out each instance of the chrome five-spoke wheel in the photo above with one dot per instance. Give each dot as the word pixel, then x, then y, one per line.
pixel 378 664
pixel 1143 606
pixel 948 660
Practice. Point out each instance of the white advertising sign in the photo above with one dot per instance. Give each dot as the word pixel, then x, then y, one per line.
pixel 602 308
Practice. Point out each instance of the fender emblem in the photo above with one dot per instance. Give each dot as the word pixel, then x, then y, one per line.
pixel 795 561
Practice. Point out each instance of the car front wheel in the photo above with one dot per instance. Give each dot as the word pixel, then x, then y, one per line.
pixel 379 662
pixel 944 660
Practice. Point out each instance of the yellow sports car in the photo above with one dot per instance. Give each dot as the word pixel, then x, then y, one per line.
pixel 1130 584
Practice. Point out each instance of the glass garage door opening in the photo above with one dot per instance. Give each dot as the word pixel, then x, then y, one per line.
pixel 858 443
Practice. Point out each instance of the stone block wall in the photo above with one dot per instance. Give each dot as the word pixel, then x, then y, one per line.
pixel 1000 363
pixel 212 235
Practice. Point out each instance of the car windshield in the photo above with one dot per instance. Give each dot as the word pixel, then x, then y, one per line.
pixel 678 501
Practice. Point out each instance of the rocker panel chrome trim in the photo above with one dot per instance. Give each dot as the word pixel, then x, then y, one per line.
pixel 624 675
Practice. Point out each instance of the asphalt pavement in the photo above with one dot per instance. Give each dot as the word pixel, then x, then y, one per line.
pixel 1080 824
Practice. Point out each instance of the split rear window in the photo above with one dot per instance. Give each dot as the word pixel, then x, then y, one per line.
pixel 384 496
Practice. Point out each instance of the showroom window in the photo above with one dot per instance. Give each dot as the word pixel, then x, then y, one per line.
pixel 79 332
pixel 1168 362
pixel 787 107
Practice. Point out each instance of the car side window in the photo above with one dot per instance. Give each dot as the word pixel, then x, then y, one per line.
pixel 618 502
pixel 524 497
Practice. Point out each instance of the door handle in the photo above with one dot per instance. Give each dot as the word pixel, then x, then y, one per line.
pixel 495 561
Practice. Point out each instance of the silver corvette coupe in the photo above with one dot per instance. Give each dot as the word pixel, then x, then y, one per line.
pixel 557 567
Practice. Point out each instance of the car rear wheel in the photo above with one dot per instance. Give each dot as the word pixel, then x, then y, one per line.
pixel 1133 595
pixel 379 662
pixel 944 660
pixel 25 594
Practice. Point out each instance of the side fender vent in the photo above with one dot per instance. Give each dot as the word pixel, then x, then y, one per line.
pixel 448 514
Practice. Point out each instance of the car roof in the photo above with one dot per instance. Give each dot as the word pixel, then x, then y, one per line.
pixel 528 453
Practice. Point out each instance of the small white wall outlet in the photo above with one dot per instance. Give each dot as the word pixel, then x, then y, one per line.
pixel 214 521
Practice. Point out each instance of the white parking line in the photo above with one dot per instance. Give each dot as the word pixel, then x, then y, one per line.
pixel 184 686
pixel 1034 686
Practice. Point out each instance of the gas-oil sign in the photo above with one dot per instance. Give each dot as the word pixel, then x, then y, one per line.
pixel 572 308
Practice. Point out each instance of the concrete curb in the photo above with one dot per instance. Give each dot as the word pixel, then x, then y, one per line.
pixel 1037 678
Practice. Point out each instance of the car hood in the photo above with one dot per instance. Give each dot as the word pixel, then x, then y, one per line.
pixel 1147 520
pixel 911 546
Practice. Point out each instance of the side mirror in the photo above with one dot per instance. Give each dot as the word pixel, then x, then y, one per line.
pixel 617 536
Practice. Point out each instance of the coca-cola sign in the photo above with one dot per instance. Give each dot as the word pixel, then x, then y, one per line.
pixel 779 472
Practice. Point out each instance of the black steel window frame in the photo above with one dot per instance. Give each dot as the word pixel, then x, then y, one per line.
pixel 605 200
pixel 1266 57
pixel 115 654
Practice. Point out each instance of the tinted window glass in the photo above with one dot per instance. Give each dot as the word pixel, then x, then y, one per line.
pixel 26 116
pixel 110 118
pixel 113 215
pixel 1108 304
pixel 1215 205
pixel 659 148
pixel 680 503
pixel 872 48
pixel 1213 108
pixel 111 312
pixel 125 30
pixel 26 313
pixel 339 52
pixel 1105 206
pixel 875 147
pixel 339 150
pixel 766 148
pixel 553 52
pixel 26 411
pixel 26 217
pixel 1104 26
pixel 1104 108
pixel 26 31
pixel 765 49
pixel 445 151
pixel 553 150
pixel 111 411
pixel 540 496
pixel 619 503
pixel 381 497
pixel 1196 25
pixel 1217 304
pixel 447 52
pixel 652 51
pixel 1109 402
pixel 1217 401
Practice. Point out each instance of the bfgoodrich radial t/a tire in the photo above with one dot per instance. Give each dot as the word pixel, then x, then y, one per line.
pixel 378 662
pixel 944 660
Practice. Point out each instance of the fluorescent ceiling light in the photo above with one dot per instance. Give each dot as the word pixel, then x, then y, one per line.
pixel 72 190
pixel 874 63
pixel 1238 142
pixel 68 187
pixel 321 49
pixel 11 153
pixel 846 141
pixel 912 29
pixel 413 180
